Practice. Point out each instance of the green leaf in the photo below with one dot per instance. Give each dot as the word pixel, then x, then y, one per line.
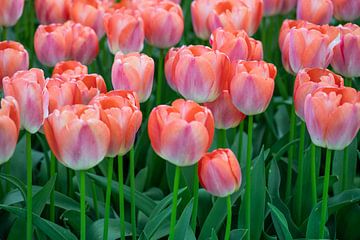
pixel 213 235
pixel 71 220
pixel 280 223
pixel 205 202
pixel 182 225
pixel 16 182
pixel 96 230
pixel 238 234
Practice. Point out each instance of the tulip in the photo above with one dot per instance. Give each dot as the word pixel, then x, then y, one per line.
pixel 28 88
pixel 163 24
pixel 236 15
pixel 52 11
pixel 181 133
pixel 237 45
pixel 90 86
pixel 346 10
pixel 332 116
pixel 274 7
pixel 197 72
pixel 252 86
pixel 9 127
pixel 200 10
pixel 13 58
pixel 346 59
pixel 10 12
pixel 134 72
pixel 69 68
pixel 310 79
pixel 318 12
pixel 125 31
pixel 52 43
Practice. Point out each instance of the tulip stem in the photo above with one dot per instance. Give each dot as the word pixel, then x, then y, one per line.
pixel 196 198
pixel 159 77
pixel 300 177
pixel 121 197
pixel 174 203
pixel 290 155
pixel 241 130
pixel 221 138
pixel 325 194
pixel 52 194
pixel 4 33
pixel 228 221
pixel 313 174
pixel 345 169
pixel 132 186
pixel 108 197
pixel 82 206
pixel 248 178
pixel 29 228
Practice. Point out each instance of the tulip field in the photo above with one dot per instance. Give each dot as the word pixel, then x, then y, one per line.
pixel 179 119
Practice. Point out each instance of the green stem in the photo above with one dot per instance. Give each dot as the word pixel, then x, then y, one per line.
pixel 108 198
pixel 348 82
pixel 4 33
pixel 290 154
pixel 300 177
pixel 95 201
pixel 222 138
pixel 174 203
pixel 132 197
pixel 325 194
pixel 82 206
pixel 160 77
pixel 29 228
pixel 241 130
pixel 248 178
pixel 345 169
pixel 196 198
pixel 121 197
pixel 313 174
pixel 228 221
pixel 52 194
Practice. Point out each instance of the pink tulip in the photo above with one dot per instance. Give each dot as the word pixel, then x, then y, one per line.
pixel 52 11
pixel 318 12
pixel 10 12
pixel 200 10
pixel 274 7
pixel 69 68
pixel 90 86
pixel 346 10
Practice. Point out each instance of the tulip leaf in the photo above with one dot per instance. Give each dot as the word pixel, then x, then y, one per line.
pixel 280 223
pixel 16 182
pixel 96 230
pixel 238 234
pixel 213 235
pixel 182 225
pixel 71 220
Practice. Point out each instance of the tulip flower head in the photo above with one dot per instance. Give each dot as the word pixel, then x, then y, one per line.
pixel 200 10
pixel 90 86
pixel 181 133
pixel 52 11
pixel 274 7
pixel 219 172
pixel 69 68
pixel 346 10
pixel 318 12
pixel 10 12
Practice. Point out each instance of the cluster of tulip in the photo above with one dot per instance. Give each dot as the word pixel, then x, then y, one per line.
pixel 222 84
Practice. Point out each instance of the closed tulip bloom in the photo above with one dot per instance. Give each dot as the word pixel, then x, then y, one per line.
pixel 236 15
pixel 252 86
pixel 123 117
pixel 226 115
pixel 9 127
pixel 10 12
pixel 181 133
pixel 69 68
pixel 77 136
pixel 52 43
pixel 219 172
pixel 124 31
pixel 90 85
pixel 197 72
pixel 200 10
pixel 163 23
pixel 13 58
pixel 28 88
pixel 332 116
pixel 346 60
pixel 52 11
pixel 308 80
pixel 134 72
pixel 237 45
pixel 346 10
pixel 318 12
pixel 274 7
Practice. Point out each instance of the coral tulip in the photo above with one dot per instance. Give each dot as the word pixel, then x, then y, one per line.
pixel 219 172
pixel 9 127
pixel 134 72
pixel 346 10
pixel 52 11
pixel 90 85
pixel 13 58
pixel 332 116
pixel 252 86
pixel 28 88
pixel 77 136
pixel 196 72
pixel 69 68
pixel 200 10
pixel 308 80
pixel 273 7
pixel 318 12
pixel 181 133
pixel 10 12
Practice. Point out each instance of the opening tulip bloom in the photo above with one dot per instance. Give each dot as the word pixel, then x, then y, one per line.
pixel 52 11
pixel 28 88
pixel 181 133
pixel 13 58
pixel 346 10
pixel 318 12
pixel 237 45
pixel 134 72
pixel 200 10
pixel 274 7
pixel 252 86
pixel 310 79
pixel 77 136
pixel 9 127
pixel 197 72
pixel 90 86
pixel 124 31
pixel 10 12
pixel 332 116
pixel 219 172
pixel 346 60
pixel 69 68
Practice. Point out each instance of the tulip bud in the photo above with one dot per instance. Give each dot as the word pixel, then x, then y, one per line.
pixel 181 133
pixel 219 172
pixel 318 12
pixel 10 12
pixel 69 68
pixel 52 11
pixel 346 10
pixel 274 7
